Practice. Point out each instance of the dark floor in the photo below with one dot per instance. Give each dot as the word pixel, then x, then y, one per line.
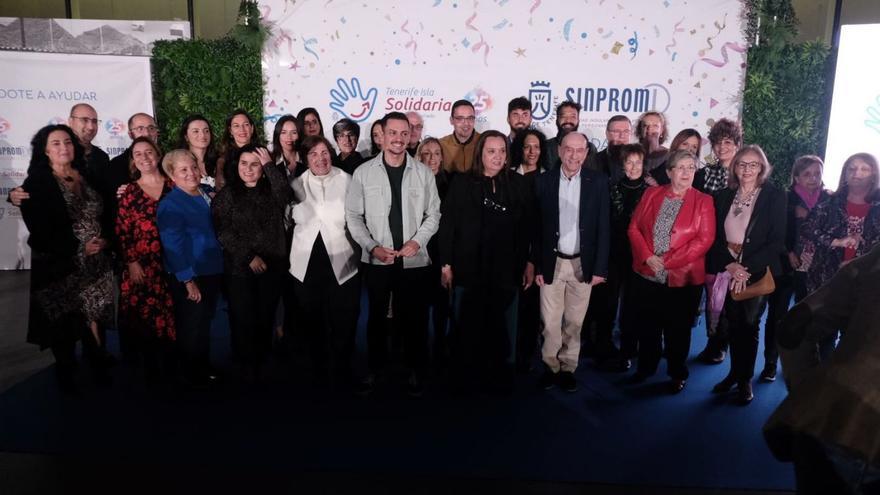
pixel 606 439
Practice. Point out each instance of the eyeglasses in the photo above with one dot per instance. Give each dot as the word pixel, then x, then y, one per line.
pixel 345 135
pixel 461 119
pixel 685 169
pixel 418 127
pixel 624 132
pixel 86 120
pixel 749 165
pixel 144 128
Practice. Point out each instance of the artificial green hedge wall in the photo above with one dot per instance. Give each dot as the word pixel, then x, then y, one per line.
pixel 210 77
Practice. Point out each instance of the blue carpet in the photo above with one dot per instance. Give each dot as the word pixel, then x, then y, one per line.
pixel 607 432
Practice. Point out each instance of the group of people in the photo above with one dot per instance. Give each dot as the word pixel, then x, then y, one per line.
pixel 503 243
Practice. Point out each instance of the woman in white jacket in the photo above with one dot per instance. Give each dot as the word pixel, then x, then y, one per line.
pixel 324 264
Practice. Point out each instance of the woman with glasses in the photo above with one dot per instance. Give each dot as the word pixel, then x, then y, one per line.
pixel 347 134
pixel 686 140
pixel 485 230
pixel 671 230
pixel 240 131
pixel 750 215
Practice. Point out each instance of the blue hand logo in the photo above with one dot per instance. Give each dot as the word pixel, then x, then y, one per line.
pixel 349 100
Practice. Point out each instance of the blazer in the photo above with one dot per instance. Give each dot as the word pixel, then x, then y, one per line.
pixel 189 242
pixel 368 203
pixel 320 209
pixel 594 224
pixel 764 242
pixel 692 235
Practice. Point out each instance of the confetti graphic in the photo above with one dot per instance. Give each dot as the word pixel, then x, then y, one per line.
pixel 500 25
pixel 720 27
pixel 482 43
pixel 412 41
pixel 566 29
pixel 725 58
pixel 633 45
pixel 675 29
pixel 306 46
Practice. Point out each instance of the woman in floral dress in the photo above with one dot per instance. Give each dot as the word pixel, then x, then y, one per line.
pixel 145 306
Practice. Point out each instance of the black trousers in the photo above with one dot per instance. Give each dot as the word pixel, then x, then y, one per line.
pixel 777 306
pixel 411 288
pixel 329 314
pixel 604 300
pixel 194 321
pixel 482 334
pixel 253 300
pixel 528 325
pixel 664 313
pixel 64 349
pixel 742 320
pixel 629 325
pixel 440 308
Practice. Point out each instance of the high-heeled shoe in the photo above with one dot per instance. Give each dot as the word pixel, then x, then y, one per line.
pixel 744 394
pixel 724 386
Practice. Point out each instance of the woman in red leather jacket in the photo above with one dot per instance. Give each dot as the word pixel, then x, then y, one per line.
pixel 671 230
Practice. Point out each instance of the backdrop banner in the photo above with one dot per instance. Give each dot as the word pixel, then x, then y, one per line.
pixel 356 59
pixel 38 89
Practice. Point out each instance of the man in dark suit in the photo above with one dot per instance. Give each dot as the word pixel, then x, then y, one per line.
pixel 571 254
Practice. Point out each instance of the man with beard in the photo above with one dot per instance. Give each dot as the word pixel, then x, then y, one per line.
pixel 617 133
pixel 567 120
pixel 519 116
pixel 392 210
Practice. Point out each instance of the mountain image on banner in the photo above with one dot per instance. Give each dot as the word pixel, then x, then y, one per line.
pixel 44 35
pixel 107 40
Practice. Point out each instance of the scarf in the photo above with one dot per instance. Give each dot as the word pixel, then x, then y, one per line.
pixel 810 198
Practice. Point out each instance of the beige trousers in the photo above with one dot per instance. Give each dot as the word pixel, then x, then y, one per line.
pixel 563 307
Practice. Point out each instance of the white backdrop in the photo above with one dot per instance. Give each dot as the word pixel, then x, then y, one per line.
pixel 350 58
pixel 855 107
pixel 38 89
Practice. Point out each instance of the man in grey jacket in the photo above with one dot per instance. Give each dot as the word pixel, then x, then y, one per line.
pixel 392 210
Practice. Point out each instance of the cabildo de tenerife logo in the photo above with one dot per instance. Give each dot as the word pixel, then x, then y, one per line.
pixel 651 97
pixel 349 99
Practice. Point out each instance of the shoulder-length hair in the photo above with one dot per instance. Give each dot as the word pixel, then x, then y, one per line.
pixel 802 163
pixel 301 117
pixel 426 141
pixel 374 146
pixel 766 169
pixel 229 141
pixel 210 153
pixel 478 167
pixel 39 159
pixel 868 158
pixel 640 127
pixel 682 136
pixel 519 140
pixel 133 171
pixel 277 152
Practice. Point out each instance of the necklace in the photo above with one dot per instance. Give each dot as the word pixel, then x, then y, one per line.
pixel 739 203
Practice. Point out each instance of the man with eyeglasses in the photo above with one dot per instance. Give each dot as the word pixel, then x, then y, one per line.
pixel 570 255
pixel 346 132
pixel 618 132
pixel 568 119
pixel 458 147
pixel 417 124
pixel 83 120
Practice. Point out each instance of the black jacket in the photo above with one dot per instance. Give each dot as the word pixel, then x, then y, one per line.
pixel 764 242
pixel 595 230
pixel 485 246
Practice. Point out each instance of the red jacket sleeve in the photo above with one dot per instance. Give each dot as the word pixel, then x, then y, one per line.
pixel 640 250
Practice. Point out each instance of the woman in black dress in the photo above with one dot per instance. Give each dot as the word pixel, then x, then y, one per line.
pixel 485 233
pixel 72 283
